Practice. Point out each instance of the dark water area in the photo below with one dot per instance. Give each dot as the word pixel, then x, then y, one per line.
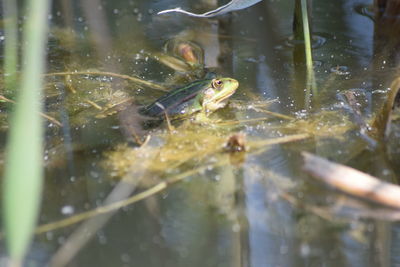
pixel 264 211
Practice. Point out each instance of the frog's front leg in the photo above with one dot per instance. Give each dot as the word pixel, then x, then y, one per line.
pixel 210 107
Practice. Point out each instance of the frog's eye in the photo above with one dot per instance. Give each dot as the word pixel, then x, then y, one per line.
pixel 217 83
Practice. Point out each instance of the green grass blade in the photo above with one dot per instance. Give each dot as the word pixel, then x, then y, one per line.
pixel 23 169
pixel 307 37
pixel 10 44
pixel 308 50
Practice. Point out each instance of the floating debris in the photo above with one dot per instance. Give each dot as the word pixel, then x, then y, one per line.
pixel 229 7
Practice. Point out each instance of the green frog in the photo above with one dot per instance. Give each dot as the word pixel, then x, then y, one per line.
pixel 197 101
pixel 202 97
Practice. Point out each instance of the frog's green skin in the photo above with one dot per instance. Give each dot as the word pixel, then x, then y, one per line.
pixel 203 96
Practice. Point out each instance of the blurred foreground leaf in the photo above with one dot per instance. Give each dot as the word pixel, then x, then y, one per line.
pixel 23 170
pixel 10 43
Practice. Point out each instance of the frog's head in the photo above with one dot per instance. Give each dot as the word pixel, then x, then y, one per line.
pixel 215 96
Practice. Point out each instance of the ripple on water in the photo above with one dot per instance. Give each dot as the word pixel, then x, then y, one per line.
pixel 317 41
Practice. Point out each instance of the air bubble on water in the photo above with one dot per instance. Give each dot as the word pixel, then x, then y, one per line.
pixel 305 250
pixel 67 210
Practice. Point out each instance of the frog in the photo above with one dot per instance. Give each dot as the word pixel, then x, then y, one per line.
pixel 195 101
pixel 201 97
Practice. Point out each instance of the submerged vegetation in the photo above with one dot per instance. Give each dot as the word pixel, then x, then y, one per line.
pixel 155 122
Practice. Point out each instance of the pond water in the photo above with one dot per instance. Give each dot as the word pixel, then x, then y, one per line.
pixel 254 208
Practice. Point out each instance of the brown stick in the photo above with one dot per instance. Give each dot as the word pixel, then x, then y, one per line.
pixel 112 74
pixel 352 181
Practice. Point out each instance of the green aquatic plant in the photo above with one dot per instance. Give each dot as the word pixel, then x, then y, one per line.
pixel 10 43
pixel 308 48
pixel 23 174
pixel 303 51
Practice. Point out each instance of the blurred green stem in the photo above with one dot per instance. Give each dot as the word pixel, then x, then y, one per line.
pixel 23 173
pixel 10 43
